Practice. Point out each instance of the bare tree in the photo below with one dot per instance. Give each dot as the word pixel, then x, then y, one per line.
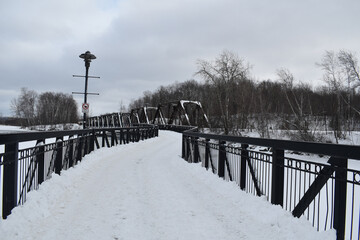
pixel 24 106
pixel 54 108
pixel 350 66
pixel 223 73
pixel 335 78
pixel 299 104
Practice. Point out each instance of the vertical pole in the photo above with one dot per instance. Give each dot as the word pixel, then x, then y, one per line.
pixel 221 162
pixel 196 150
pixel 92 140
pixel 71 152
pixel 188 148
pixel 138 134
pixel 112 138
pixel 103 139
pixel 156 131
pixel 183 147
pixel 10 178
pixel 277 179
pixel 207 153
pixel 79 148
pixel 244 157
pixel 122 139
pixel 340 197
pixel 40 161
pixel 59 154
pixel 87 143
pixel 87 65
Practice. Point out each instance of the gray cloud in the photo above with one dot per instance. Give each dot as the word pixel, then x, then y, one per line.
pixel 142 44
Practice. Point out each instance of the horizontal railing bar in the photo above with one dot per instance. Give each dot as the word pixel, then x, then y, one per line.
pixel 336 150
pixel 30 136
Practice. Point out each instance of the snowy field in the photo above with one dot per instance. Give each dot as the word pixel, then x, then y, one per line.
pixel 11 129
pixel 146 191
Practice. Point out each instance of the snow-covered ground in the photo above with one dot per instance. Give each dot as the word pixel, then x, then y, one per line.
pixel 146 191
pixel 10 129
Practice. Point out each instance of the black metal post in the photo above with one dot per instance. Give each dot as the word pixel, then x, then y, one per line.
pixel 92 140
pixel 340 197
pixel 10 178
pixel 222 157
pixel 183 146
pixel 87 65
pixel 59 153
pixel 40 161
pixel 196 150
pixel 71 152
pixel 207 153
pixel 79 147
pixel 277 179
pixel 244 157
pixel 87 56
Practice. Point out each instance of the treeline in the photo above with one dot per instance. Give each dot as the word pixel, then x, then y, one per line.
pixel 234 101
pixel 45 108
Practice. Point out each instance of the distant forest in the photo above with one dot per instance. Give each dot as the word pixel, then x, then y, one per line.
pixel 31 109
pixel 234 101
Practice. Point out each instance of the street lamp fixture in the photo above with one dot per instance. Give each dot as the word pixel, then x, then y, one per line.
pixel 87 56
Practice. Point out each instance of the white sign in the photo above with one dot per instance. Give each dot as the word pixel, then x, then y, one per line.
pixel 85 108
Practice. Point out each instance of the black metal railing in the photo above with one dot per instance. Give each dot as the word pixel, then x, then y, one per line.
pixel 318 181
pixel 30 158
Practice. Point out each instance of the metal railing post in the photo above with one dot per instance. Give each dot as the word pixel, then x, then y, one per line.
pixel 112 138
pixel 71 152
pixel 207 153
pixel 244 157
pixel 156 131
pixel 277 178
pixel 196 150
pixel 10 178
pixel 340 197
pixel 127 136
pixel 183 147
pixel 92 141
pixel 59 153
pixel 222 157
pixel 40 161
pixel 188 148
pixel 79 148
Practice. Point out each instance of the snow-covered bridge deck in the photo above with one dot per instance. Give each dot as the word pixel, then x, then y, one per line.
pixel 146 191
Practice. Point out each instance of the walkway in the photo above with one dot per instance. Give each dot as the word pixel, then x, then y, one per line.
pixel 146 191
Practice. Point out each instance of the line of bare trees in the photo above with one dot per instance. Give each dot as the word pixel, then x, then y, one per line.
pixel 234 101
pixel 45 108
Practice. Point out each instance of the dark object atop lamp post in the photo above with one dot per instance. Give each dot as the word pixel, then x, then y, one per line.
pixel 87 56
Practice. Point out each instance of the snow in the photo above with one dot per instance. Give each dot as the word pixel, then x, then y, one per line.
pixel 146 191
pixel 10 129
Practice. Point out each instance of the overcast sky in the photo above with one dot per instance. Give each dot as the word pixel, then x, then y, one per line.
pixel 142 44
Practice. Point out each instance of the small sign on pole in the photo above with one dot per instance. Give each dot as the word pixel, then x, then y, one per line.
pixel 85 108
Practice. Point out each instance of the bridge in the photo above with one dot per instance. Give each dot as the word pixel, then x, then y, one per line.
pixel 184 112
pixel 319 182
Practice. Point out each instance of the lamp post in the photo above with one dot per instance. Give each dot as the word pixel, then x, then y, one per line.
pixel 87 56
